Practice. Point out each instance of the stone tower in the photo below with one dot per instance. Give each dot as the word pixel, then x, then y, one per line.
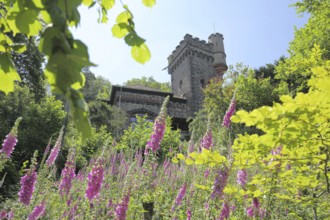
pixel 192 65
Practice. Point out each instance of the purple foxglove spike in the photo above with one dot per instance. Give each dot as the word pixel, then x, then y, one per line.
pixel 242 177
pixel 28 182
pixel 180 196
pixel 207 173
pixel 122 207
pixel 3 214
pixel 38 211
pixel 158 128
pixel 10 215
pixel 11 139
pixel 250 212
pixel 256 204
pixel 68 173
pixel 188 214
pixel 207 141
pixel 219 184
pixel 54 152
pixel 229 113
pixel 225 211
pixel 95 180
pixel 9 144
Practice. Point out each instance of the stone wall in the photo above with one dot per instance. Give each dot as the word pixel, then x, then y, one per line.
pixel 191 68
pixel 133 103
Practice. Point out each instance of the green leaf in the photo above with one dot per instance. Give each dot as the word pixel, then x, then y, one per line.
pixel 203 187
pixel 8 74
pixel 189 161
pixel 79 85
pixel 124 17
pixel 132 39
pixel 108 4
pixel 62 70
pixel 80 113
pixel 27 22
pixel 45 16
pixel 149 3
pixel 47 40
pixel 38 3
pixel 3 43
pixel 141 53
pixel 175 160
pixel 120 30
pixel 181 156
pixel 87 2
pixel 19 48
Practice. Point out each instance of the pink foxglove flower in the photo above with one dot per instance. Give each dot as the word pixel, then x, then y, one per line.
pixel 38 211
pixel 158 129
pixel 28 182
pixel 11 139
pixel 242 177
pixel 207 173
pixel 56 149
pixel 256 204
pixel 219 184
pixel 229 113
pixel 225 211
pixel 8 144
pixel 122 207
pixel 95 179
pixel 3 214
pixel 180 196
pixel 250 212
pixel 157 135
pixel 207 141
pixel 10 215
pixel 68 173
pixel 188 214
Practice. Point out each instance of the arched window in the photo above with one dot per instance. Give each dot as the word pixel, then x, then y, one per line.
pixel 202 83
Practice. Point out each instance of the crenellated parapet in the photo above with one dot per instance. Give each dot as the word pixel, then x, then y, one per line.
pixel 190 46
pixel 193 64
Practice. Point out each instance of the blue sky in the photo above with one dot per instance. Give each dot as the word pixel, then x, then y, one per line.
pixel 256 32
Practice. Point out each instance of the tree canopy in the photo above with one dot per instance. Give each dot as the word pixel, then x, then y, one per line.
pixel 65 56
pixel 149 82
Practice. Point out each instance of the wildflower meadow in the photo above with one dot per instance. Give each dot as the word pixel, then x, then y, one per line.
pixel 258 149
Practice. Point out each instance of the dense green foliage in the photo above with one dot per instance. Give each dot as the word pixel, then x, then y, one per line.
pixel 65 55
pixel 136 136
pixel 296 69
pixel 149 82
pixel 47 114
pixel 271 162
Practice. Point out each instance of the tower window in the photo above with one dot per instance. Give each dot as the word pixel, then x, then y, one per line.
pixel 202 83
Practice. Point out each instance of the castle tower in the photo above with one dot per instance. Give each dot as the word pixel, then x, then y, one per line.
pixel 192 65
pixel 219 62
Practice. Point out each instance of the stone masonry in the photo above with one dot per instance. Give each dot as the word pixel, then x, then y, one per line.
pixel 191 65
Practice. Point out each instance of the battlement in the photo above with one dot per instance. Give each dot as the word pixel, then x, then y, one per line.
pixel 193 43
pixel 190 46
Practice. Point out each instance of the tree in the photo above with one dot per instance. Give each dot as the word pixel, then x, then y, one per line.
pixel 29 66
pixel 149 82
pixel 111 117
pixel 315 32
pixel 95 87
pixel 252 89
pixel 66 56
pixel 40 122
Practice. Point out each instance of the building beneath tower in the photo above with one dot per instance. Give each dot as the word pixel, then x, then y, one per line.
pixel 191 65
